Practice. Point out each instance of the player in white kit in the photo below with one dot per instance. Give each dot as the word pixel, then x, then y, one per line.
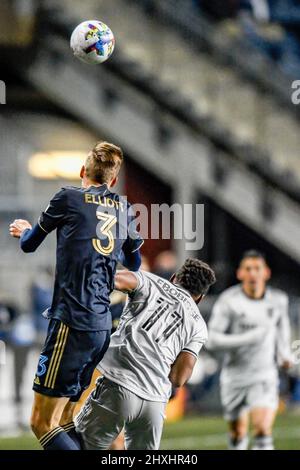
pixel 250 324
pixel 156 345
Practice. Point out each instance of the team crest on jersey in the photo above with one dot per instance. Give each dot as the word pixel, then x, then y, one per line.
pixel 242 315
pixel 135 308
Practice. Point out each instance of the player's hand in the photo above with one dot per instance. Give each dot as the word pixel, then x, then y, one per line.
pixel 18 226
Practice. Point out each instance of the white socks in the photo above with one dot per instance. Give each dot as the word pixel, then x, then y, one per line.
pixel 263 443
pixel 238 444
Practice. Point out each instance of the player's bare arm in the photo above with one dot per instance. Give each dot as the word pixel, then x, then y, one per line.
pixel 125 281
pixel 182 369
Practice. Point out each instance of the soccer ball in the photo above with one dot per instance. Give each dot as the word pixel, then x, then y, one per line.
pixel 92 42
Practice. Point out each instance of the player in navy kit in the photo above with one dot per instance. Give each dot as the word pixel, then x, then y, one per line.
pixel 95 230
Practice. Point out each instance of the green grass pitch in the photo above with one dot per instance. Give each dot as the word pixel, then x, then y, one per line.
pixel 201 432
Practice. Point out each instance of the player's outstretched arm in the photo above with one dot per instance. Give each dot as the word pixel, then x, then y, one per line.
pixel 219 335
pixel 222 341
pixel 125 281
pixel 182 369
pixel 30 238
pixel 50 219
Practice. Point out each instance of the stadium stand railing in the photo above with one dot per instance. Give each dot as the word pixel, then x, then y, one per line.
pixel 196 68
pixel 169 100
pixel 241 88
pixel 240 56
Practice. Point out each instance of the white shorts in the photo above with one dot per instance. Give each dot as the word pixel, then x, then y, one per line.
pixel 238 400
pixel 110 408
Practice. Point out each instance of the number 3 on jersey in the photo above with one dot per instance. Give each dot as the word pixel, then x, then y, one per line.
pixel 105 229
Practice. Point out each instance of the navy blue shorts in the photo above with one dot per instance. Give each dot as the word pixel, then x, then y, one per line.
pixel 68 360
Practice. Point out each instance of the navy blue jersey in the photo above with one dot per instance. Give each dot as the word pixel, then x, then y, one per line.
pixel 93 226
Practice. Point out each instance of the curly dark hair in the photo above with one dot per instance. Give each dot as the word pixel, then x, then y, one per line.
pixel 195 276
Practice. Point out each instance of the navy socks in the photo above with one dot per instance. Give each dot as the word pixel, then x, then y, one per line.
pixel 73 434
pixel 58 439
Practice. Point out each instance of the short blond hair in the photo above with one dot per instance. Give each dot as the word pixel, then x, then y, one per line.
pixel 103 163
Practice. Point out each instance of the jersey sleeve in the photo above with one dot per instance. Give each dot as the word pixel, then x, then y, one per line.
pixel 221 316
pixel 283 352
pixel 194 346
pixel 131 261
pixel 55 212
pixel 134 241
pixel 143 287
pixel 31 239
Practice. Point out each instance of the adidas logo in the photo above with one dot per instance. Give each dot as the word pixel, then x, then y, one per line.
pixel 37 381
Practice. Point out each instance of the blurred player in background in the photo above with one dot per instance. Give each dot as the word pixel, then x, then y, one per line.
pixel 160 335
pixel 94 231
pixel 165 264
pixel 250 322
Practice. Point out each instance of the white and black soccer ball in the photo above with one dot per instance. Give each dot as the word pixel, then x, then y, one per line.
pixel 92 42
